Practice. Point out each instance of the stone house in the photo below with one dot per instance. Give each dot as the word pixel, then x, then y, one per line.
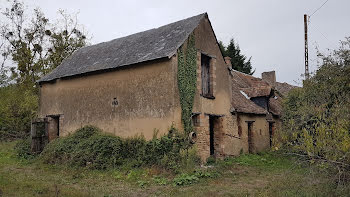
pixel 129 86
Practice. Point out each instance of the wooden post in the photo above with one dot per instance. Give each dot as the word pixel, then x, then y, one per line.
pixel 306 48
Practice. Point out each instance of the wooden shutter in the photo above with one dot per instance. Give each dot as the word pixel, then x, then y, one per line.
pixel 205 75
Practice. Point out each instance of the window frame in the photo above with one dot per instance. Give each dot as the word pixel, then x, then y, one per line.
pixel 206 77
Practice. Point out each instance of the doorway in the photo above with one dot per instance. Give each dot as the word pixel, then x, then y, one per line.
pixel 54 127
pixel 250 137
pixel 211 133
pixel 56 119
pixel 271 131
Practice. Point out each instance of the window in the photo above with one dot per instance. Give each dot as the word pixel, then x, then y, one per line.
pixel 207 88
pixel 195 120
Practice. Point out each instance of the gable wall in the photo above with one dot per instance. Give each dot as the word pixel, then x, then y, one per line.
pixel 227 141
pixel 206 43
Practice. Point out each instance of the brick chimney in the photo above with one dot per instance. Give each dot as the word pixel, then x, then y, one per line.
pixel 228 61
pixel 269 77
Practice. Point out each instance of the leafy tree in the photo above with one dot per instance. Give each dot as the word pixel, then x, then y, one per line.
pixel 316 119
pixel 34 45
pixel 239 61
pixel 30 47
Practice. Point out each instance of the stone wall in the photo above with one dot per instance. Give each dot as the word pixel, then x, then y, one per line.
pixel 203 137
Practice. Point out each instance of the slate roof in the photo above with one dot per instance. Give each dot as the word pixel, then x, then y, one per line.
pixel 140 47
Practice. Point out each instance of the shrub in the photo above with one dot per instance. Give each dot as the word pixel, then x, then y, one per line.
pixel 89 147
pixel 316 121
pixel 23 149
pixel 211 160
pixel 98 152
pixel 18 106
pixel 61 150
pixel 134 150
pixel 85 132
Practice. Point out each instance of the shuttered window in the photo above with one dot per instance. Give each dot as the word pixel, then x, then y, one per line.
pixel 206 83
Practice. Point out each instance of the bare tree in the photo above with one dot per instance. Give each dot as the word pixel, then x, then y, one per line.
pixel 34 45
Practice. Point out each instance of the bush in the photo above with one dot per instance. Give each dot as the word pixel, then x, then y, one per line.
pixel 211 160
pixel 23 149
pixel 98 152
pixel 316 121
pixel 18 106
pixel 61 150
pixel 90 147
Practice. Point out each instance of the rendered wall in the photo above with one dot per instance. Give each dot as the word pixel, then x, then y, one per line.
pixel 144 93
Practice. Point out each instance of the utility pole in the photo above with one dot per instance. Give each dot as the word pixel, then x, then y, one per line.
pixel 306 49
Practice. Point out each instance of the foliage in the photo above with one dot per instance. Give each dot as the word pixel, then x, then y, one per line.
pixel 98 152
pixel 317 117
pixel 33 44
pixel 211 160
pixel 190 178
pixel 187 81
pixel 264 160
pixel 239 61
pixel 89 147
pixel 185 179
pixel 160 180
pixel 61 150
pixel 21 178
pixel 23 149
pixel 18 106
pixel 33 47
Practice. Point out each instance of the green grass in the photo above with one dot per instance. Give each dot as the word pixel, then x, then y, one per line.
pixel 265 174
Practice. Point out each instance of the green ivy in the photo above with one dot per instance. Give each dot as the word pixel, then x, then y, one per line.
pixel 187 78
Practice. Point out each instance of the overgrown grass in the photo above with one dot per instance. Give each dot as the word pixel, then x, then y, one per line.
pixel 266 174
pixel 263 160
pixel 90 163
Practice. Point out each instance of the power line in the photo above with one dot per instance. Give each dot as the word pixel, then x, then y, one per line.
pixel 306 22
pixel 318 8
pixel 333 44
pixel 313 25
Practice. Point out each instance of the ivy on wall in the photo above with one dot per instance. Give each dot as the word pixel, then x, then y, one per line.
pixel 186 79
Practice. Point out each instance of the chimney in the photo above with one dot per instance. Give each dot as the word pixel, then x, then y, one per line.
pixel 228 61
pixel 269 77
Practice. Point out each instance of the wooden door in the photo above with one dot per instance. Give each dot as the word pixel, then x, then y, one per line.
pixel 250 137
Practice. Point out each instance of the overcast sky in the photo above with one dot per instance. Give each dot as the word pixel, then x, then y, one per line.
pixel 271 31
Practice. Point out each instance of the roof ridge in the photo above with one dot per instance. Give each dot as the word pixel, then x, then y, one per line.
pixel 152 44
pixel 140 32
